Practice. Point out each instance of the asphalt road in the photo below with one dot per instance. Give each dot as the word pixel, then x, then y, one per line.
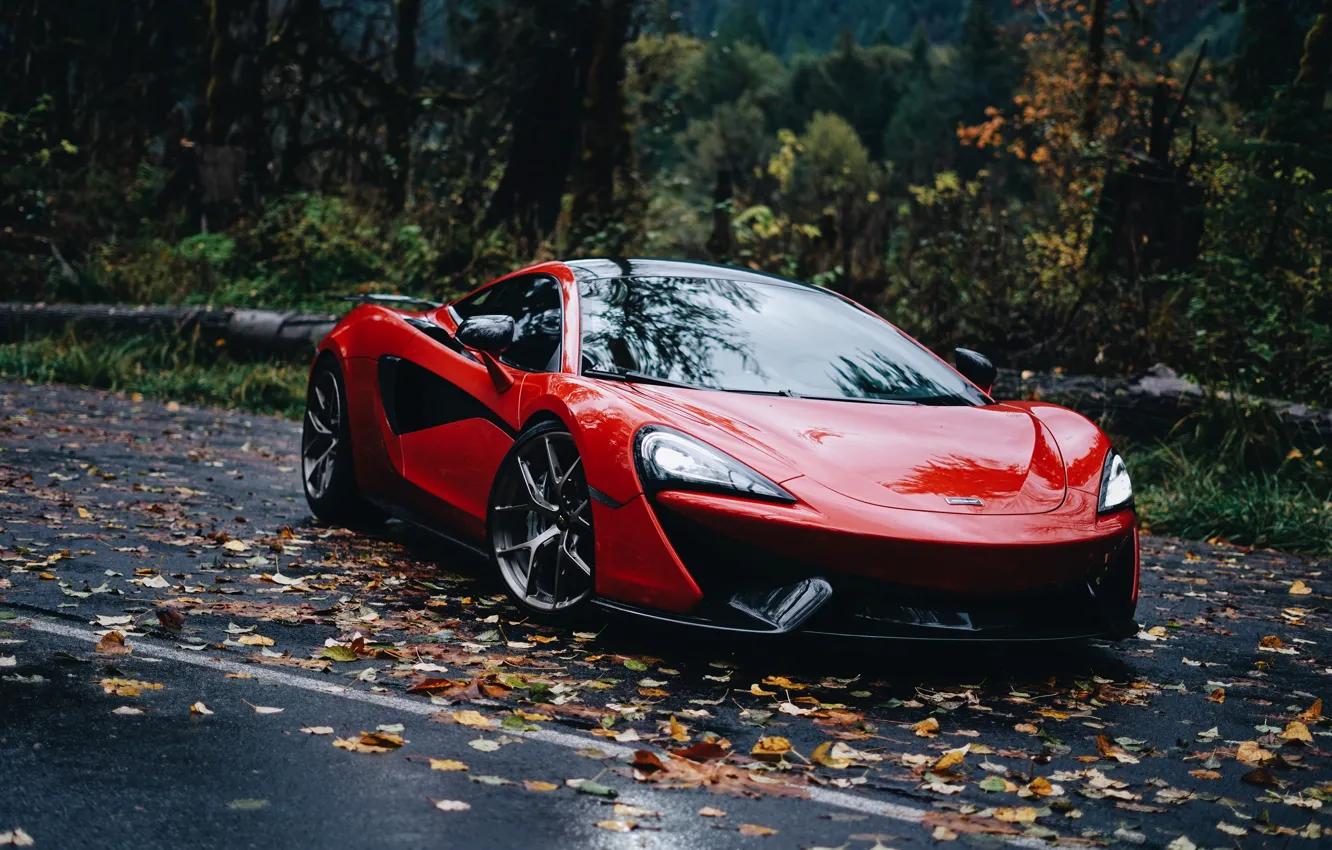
pixel 190 523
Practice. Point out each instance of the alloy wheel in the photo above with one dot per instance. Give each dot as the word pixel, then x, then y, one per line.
pixel 541 525
pixel 319 438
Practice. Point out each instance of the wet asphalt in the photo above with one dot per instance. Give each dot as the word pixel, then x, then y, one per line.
pixel 124 486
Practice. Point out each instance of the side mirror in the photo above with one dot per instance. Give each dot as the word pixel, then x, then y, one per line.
pixel 491 334
pixel 977 368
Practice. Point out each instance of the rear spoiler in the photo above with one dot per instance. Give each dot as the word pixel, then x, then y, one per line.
pixel 395 301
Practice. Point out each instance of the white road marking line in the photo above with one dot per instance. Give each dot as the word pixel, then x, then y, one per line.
pixel 826 796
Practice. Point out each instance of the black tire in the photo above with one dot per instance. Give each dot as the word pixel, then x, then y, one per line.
pixel 327 475
pixel 550 503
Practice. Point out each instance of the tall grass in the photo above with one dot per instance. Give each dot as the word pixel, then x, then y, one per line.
pixel 158 366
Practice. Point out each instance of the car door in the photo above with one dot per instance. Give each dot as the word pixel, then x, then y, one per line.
pixel 457 424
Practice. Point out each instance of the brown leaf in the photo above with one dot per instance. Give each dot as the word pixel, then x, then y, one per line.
pixel 1314 713
pixel 710 812
pixel 753 830
pixel 960 823
pixel 112 643
pixel 370 742
pixel 709 750
pixel 1272 642
pixel 1250 753
pixel 1218 696
pixel 1262 777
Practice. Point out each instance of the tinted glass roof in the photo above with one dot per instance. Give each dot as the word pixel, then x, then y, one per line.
pixel 626 267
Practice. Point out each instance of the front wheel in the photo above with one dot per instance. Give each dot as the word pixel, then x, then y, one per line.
pixel 539 523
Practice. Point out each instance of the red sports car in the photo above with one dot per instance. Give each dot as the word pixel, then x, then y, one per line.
pixel 724 448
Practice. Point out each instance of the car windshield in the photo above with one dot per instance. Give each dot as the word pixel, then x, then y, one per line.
pixel 768 337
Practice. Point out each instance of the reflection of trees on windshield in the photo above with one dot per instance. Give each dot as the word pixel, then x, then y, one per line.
pixel 872 374
pixel 669 327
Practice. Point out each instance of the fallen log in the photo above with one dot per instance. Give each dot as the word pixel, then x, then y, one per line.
pixel 1149 406
pixel 246 333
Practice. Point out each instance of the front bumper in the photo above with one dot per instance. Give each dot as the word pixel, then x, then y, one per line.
pixel 846 568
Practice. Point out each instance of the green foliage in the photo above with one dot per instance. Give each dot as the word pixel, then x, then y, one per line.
pixel 158 366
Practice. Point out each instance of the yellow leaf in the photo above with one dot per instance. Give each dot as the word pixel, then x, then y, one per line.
pixel 1294 454
pixel 1297 731
pixel 127 687
pixel 1041 787
pixel 710 812
pixel 783 682
pixel 821 755
pixel 370 742
pixel 1019 814
pixel 771 748
pixel 543 638
pixel 538 785
pixel 678 731
pixel 1315 712
pixel 254 640
pixel 83 514
pixel 951 759
pixel 447 764
pixel 1299 588
pixel 927 728
pixel 653 692
pixel 472 718
pixel 759 692
pixel 236 546
pixel 617 825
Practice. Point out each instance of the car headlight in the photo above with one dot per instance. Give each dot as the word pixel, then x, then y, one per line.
pixel 669 460
pixel 1116 486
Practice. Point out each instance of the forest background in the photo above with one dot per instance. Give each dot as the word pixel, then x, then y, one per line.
pixel 1090 186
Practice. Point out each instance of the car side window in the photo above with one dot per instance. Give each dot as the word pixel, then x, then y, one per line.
pixel 534 304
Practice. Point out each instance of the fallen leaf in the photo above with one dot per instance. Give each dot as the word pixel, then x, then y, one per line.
pixel 753 830
pixel 338 652
pixel 538 785
pixel 1296 731
pixel 1218 696
pixel 1018 814
pixel 370 742
pixel 711 812
pixel 770 748
pixel 1314 712
pixel 472 718
pixel 200 708
pixel 128 711
pixel 236 546
pixel 15 838
pixel 927 728
pixel 617 825
pixel 254 640
pixel 113 643
pixel 1250 753
pixel 1261 777
pixel 128 687
pixel 1231 829
pixel 451 805
pixel 1299 588
pixel 484 745
pixel 262 709
pixel 447 764
pixel 317 730
pixel 1182 843
pixel 625 810
pixel 951 759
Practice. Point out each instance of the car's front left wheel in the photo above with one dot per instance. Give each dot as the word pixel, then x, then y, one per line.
pixel 539 523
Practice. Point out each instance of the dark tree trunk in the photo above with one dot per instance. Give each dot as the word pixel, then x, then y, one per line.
pixel 546 120
pixel 403 105
pixel 235 130
pixel 607 148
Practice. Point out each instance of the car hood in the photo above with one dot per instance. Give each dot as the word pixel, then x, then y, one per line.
pixel 911 457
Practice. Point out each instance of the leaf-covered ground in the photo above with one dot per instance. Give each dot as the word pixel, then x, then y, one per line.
pixel 186 527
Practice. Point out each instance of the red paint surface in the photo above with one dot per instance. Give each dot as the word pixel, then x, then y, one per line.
pixel 871 480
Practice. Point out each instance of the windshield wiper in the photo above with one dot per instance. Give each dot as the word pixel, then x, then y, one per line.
pixel 632 377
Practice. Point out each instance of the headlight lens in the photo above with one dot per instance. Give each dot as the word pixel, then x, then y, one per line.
pixel 670 460
pixel 1116 486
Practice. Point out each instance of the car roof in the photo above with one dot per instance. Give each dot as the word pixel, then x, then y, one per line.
pixel 607 268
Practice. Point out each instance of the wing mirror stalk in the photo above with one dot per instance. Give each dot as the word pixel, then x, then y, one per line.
pixel 489 335
pixel 977 368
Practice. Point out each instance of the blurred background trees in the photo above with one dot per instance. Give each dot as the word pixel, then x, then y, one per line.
pixel 1096 185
